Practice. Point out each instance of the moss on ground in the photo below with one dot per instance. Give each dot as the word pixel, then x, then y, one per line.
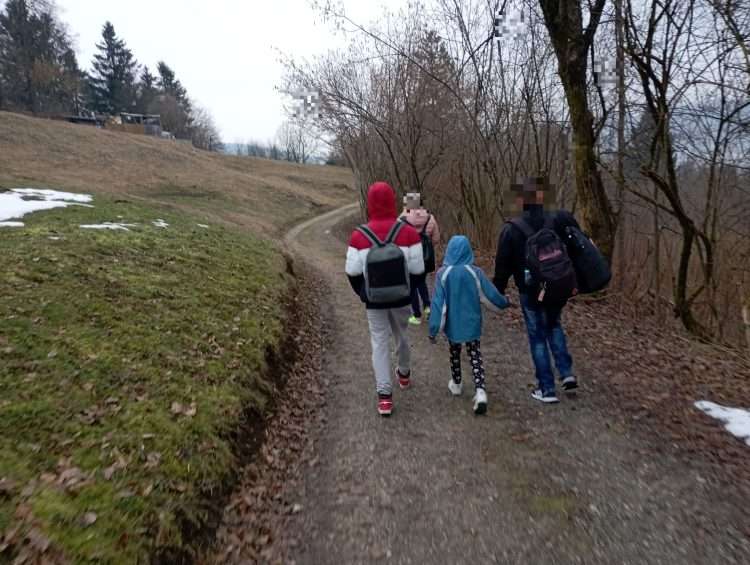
pixel 126 361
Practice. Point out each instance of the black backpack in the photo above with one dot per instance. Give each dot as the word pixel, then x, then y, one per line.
pixel 428 249
pixel 548 262
pixel 386 270
pixel 592 269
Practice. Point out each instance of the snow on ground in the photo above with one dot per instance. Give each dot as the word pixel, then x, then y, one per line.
pixel 736 420
pixel 18 202
pixel 160 223
pixel 202 226
pixel 108 226
pixel 11 224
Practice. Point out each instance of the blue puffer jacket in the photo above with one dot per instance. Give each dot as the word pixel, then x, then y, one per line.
pixel 459 288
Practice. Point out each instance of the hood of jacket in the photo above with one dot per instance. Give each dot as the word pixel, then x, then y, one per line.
pixel 381 202
pixel 459 252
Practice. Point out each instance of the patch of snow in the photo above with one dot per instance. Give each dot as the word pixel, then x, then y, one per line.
pixel 18 202
pixel 159 223
pixel 54 238
pixel 46 194
pixel 11 224
pixel 204 226
pixel 108 226
pixel 736 420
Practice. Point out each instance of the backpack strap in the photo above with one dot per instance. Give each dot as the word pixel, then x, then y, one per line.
pixel 370 235
pixel 476 279
pixel 424 227
pixel 395 230
pixel 444 276
pixel 524 226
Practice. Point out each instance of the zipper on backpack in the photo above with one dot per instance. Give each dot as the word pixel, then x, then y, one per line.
pixel 542 292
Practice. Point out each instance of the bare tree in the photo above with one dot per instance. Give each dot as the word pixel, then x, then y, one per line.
pixel 299 140
pixel 572 43
pixel 203 132
pixel 686 61
pixel 430 101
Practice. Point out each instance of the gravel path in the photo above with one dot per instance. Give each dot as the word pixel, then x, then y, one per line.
pixel 526 483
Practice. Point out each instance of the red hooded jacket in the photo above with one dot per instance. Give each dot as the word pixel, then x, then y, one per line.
pixel 381 208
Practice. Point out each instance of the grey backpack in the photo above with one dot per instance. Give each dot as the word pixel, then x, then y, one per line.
pixel 386 269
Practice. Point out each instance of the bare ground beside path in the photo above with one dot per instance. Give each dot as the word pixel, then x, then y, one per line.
pixel 524 484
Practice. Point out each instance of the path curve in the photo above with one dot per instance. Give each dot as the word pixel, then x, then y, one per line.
pixel 524 484
pixel 337 215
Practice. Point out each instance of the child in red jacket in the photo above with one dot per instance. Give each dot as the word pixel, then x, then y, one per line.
pixel 385 319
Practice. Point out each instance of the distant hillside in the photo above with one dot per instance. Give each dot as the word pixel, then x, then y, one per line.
pixel 264 195
pixel 239 149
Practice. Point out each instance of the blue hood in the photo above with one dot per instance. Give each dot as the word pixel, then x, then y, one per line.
pixel 459 252
pixel 460 288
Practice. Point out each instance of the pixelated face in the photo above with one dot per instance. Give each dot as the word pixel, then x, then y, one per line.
pixel 530 191
pixel 509 24
pixel 306 104
pixel 412 200
pixel 605 71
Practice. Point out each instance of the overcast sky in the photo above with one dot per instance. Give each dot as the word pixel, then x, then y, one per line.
pixel 221 50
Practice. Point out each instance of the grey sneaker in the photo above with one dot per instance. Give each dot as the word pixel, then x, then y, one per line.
pixel 480 401
pixel 548 397
pixel 455 388
pixel 570 384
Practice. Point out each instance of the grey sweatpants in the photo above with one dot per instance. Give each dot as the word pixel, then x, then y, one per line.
pixel 383 324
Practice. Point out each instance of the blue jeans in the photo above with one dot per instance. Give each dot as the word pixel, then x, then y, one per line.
pixel 420 290
pixel 545 334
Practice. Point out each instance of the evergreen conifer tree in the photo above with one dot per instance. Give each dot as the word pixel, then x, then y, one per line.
pixel 114 72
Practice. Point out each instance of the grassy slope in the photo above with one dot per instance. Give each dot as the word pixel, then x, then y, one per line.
pixel 266 196
pixel 102 332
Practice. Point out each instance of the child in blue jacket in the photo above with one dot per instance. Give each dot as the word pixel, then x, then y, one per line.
pixel 460 286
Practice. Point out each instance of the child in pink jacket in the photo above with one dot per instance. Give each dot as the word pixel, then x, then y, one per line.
pixel 424 223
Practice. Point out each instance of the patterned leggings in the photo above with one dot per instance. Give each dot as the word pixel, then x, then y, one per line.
pixel 477 365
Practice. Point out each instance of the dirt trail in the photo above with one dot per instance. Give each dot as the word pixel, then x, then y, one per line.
pixel 524 484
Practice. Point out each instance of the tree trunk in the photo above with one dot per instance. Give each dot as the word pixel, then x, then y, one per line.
pixel 683 305
pixel 571 42
pixel 595 206
pixel 657 258
pixel 620 253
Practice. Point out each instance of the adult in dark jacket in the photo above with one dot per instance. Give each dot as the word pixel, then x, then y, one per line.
pixel 543 322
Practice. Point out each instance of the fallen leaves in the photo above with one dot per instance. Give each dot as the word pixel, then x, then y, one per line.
pixel 8 488
pixel 26 538
pixel 120 464
pixel 152 460
pixel 88 519
pixel 70 478
pixel 92 415
pixel 179 409
pixel 650 375
pixel 254 525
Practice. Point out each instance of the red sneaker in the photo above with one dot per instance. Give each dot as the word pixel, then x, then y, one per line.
pixel 403 381
pixel 385 405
